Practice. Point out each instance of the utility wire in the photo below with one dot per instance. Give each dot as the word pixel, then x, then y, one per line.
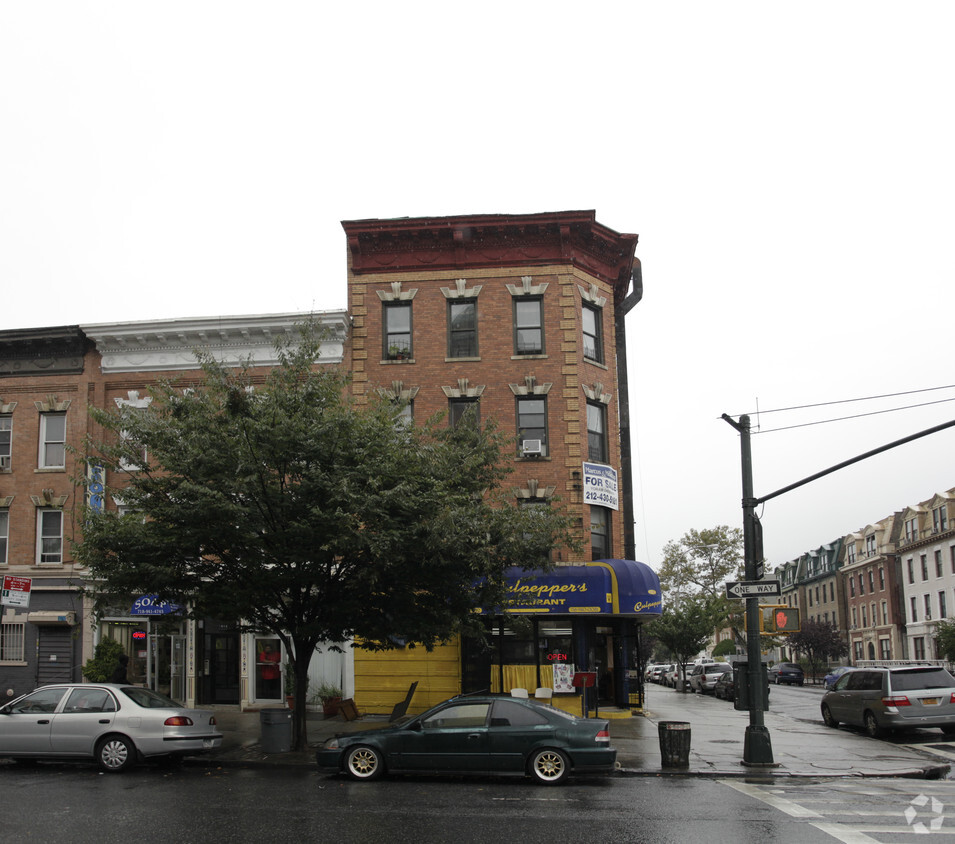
pixel 855 416
pixel 846 401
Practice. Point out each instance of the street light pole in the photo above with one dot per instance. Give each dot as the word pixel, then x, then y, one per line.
pixel 757 746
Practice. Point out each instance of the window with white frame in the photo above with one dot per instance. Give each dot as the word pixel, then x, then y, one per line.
pixel 532 425
pixel 462 329
pixel 870 547
pixel 599 533
pixel 938 562
pixel 6 436
pixel 4 535
pixel 918 647
pixel 12 636
pixel 528 326
pixel 885 613
pixel 881 579
pixel 928 607
pixel 885 649
pixel 396 338
pixel 923 560
pixel 915 610
pixel 49 537
pixel 911 529
pixel 851 553
pixel 52 441
pixel 942 609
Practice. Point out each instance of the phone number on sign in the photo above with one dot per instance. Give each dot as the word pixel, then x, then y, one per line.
pixel 597 497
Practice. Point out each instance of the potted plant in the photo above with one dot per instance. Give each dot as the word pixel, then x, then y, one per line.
pixel 330 696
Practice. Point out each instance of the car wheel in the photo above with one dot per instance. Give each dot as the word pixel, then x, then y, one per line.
pixel 364 763
pixel 777 680
pixel 549 767
pixel 872 726
pixel 115 754
pixel 827 717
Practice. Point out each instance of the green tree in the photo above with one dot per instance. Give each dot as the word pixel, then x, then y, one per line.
pixel 278 504
pixel 686 628
pixel 818 641
pixel 105 658
pixel 945 636
pixel 702 561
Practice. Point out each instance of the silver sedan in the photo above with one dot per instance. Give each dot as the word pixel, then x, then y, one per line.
pixel 115 725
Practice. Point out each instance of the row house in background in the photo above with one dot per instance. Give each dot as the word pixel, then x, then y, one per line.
pixel 872 595
pixel 891 584
pixel 926 554
pixel 49 380
pixel 813 582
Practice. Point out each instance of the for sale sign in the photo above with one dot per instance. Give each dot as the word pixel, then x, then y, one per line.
pixel 16 591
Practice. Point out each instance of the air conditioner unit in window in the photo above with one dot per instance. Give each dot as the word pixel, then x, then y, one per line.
pixel 529 447
pixel 5 461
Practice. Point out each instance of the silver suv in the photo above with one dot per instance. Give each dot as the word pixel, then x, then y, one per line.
pixel 702 678
pixel 881 699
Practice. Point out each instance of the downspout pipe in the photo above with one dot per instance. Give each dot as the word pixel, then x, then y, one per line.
pixel 623 307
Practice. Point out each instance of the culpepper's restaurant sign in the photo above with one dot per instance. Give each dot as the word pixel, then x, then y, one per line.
pixel 606 587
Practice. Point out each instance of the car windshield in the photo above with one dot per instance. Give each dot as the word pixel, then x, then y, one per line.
pixel 927 678
pixel 149 699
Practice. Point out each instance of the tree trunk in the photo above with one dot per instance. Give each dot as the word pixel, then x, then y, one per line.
pixel 300 662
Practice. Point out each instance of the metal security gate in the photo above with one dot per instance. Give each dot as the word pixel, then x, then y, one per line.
pixel 54 654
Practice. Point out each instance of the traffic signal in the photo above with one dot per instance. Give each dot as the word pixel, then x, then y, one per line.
pixel 778 618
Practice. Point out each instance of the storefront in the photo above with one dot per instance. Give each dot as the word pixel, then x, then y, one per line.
pixel 573 619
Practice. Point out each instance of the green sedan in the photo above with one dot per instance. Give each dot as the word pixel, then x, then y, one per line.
pixel 477 735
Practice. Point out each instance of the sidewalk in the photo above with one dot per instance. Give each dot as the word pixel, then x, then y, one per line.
pixel 717 732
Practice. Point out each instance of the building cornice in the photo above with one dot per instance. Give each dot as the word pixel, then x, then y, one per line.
pixel 491 241
pixel 42 351
pixel 165 345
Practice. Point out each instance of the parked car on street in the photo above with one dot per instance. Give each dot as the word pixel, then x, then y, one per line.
pixel 656 676
pixel 114 725
pixel 725 687
pixel 881 699
pixel 651 669
pixel 834 674
pixel 677 675
pixel 477 735
pixel 786 672
pixel 703 677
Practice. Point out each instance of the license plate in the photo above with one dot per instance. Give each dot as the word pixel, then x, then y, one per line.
pixel 930 701
pixel 207 742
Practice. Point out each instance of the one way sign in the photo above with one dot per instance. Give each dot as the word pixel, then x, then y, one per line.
pixel 752 588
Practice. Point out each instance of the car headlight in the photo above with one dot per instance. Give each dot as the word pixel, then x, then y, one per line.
pixel 332 743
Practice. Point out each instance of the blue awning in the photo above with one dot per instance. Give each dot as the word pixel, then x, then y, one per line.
pixel 625 588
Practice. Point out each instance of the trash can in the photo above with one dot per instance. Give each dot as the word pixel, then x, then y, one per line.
pixel 276 730
pixel 674 743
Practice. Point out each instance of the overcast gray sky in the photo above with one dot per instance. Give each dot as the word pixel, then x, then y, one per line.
pixel 788 167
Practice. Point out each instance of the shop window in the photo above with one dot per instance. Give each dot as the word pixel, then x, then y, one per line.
pixel 268 669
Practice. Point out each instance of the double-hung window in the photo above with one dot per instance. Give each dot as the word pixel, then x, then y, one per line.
pixel 599 533
pixel 528 326
pixel 52 441
pixel 596 432
pixel 49 537
pixel 532 425
pixel 939 519
pixel 6 435
pixel 592 321
pixel 460 410
pixel 4 535
pixel 396 318
pixel 462 328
